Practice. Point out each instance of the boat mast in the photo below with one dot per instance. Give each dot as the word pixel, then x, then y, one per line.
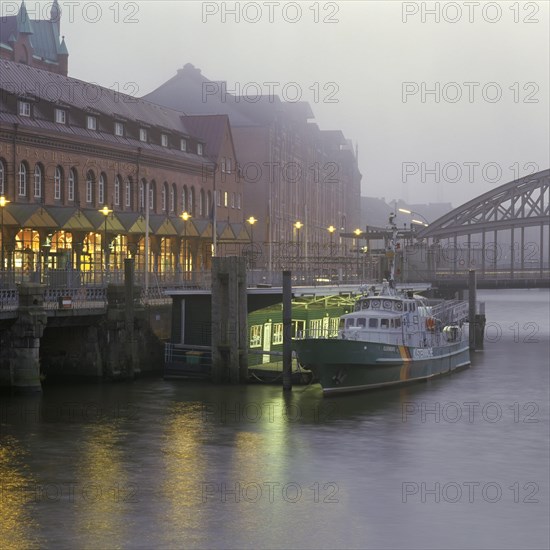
pixel 391 249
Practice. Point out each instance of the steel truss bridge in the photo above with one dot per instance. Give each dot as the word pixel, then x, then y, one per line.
pixel 502 234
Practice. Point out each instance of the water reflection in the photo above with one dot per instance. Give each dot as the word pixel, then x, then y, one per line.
pixel 101 493
pixel 185 457
pixel 17 493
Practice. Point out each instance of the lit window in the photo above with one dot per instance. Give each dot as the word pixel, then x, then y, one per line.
pixel 183 144
pixel 277 333
pixel 142 134
pixel 119 129
pixel 24 108
pixel 199 148
pixel 91 122
pixel 255 336
pixel 60 116
pixel 164 140
pixel 225 198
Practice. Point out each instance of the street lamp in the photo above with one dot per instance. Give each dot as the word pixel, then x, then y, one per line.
pixel 424 223
pixel 331 230
pixel 105 211
pixel 185 216
pixel 298 225
pixel 3 202
pixel 252 220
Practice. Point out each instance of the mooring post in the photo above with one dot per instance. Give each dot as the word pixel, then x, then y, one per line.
pixel 472 307
pixel 287 334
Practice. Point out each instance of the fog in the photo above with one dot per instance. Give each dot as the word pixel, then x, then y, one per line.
pixel 444 100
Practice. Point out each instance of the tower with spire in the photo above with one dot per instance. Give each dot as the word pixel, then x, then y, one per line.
pixel 35 42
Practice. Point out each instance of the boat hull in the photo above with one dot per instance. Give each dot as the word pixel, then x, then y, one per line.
pixel 351 365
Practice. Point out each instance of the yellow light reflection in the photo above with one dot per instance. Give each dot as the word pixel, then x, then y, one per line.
pixel 16 492
pixel 102 494
pixel 185 460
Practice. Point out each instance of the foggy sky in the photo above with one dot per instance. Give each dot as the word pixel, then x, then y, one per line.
pixel 358 55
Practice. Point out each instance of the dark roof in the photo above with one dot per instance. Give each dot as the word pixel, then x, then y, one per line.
pixel 211 129
pixel 25 80
pixel 45 40
pixel 190 92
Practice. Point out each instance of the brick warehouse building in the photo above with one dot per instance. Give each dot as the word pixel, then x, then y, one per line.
pixel 292 170
pixel 68 148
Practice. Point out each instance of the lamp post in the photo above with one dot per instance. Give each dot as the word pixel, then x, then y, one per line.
pixel 252 220
pixel 298 225
pixel 3 203
pixel 185 217
pixel 357 234
pixel 424 222
pixel 104 250
pixel 331 230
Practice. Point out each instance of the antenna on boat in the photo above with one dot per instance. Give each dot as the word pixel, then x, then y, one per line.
pixel 392 248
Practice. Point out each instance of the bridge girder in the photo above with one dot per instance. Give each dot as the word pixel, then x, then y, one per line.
pixel 524 202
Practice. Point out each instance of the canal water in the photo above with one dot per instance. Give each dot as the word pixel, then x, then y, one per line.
pixel 461 462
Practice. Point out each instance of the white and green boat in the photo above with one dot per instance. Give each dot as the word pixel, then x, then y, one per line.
pixel 390 338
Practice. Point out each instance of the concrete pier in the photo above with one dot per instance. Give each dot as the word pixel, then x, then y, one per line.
pixel 25 334
pixel 229 320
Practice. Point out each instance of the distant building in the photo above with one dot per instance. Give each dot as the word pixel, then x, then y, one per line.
pixel 36 43
pixel 292 170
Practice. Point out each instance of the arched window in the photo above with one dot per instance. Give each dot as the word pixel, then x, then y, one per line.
pixel 201 204
pixel 90 179
pixel 57 183
pixel 117 191
pixel 101 188
pixel 192 201
pixel 128 193
pixel 184 199
pixel 208 203
pixel 22 179
pixel 72 183
pixel 164 197
pixel 2 176
pixel 38 181
pixel 142 194
pixel 152 194
pixel 173 198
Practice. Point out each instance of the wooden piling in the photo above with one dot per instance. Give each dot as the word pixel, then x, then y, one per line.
pixel 287 332
pixel 472 307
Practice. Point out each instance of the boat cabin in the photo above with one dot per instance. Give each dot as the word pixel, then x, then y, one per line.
pixel 384 319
